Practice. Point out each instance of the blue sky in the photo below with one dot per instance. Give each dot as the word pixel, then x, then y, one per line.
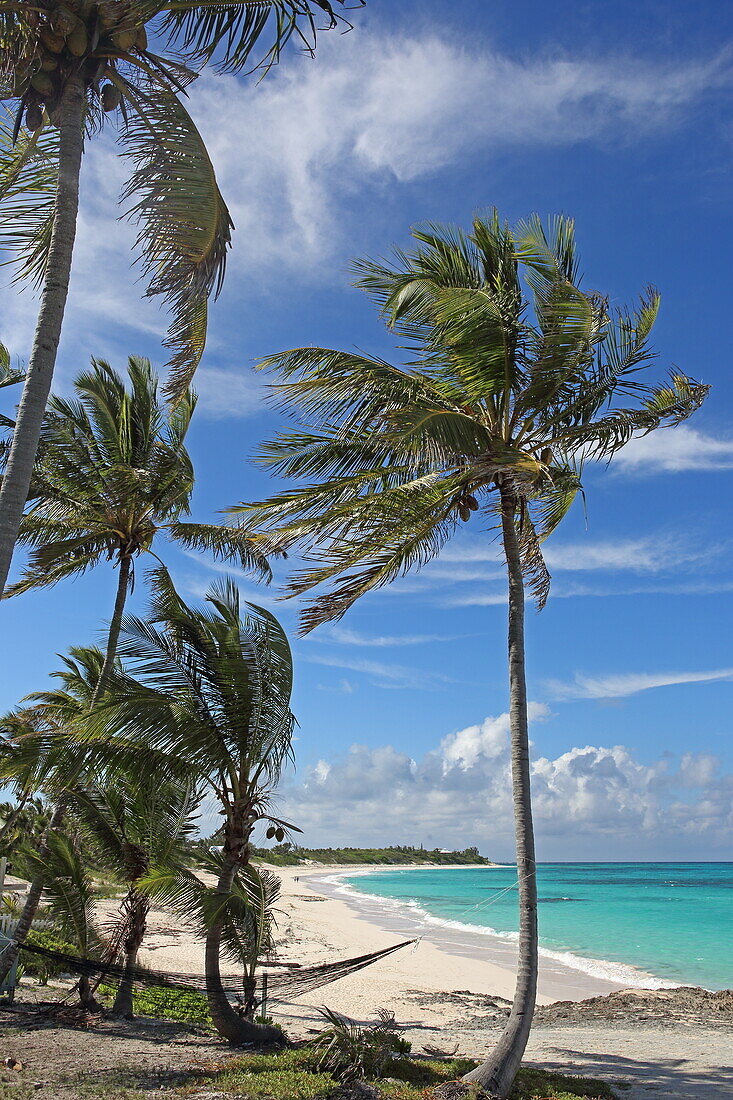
pixel 621 118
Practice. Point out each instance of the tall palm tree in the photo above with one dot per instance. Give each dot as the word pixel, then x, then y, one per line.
pixel 136 822
pixel 112 477
pixel 65 65
pixel 210 689
pixel 506 392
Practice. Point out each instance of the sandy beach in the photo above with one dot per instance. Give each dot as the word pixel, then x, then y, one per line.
pixel 450 994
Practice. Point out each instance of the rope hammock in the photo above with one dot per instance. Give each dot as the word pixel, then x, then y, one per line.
pixel 298 980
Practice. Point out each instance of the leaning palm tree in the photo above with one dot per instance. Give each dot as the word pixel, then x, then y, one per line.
pixel 247 914
pixel 69 896
pixel 112 477
pixel 135 822
pixel 211 690
pixel 506 392
pixel 65 65
pixel 37 757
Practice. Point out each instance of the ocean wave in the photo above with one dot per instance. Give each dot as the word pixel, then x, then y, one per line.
pixel 619 973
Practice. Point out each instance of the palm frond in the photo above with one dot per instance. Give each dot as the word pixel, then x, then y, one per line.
pixel 228 32
pixel 28 180
pixel 184 226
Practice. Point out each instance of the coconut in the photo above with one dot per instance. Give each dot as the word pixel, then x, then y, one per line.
pixel 49 62
pixel 43 84
pixel 124 40
pixel 51 40
pixel 111 97
pixel 34 118
pixel 471 502
pixel 64 21
pixel 109 14
pixel 546 456
pixel 78 40
pixel 464 511
pixel 141 38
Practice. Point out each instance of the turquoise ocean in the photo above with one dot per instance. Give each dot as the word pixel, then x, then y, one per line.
pixel 660 923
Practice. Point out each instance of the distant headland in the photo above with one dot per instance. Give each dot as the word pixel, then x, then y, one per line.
pixel 291 855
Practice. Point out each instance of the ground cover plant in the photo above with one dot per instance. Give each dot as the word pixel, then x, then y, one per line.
pixel 298 1075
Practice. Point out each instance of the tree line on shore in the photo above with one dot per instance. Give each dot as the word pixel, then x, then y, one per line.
pixel 516 377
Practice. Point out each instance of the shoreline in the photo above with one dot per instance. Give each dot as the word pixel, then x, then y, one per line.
pixel 566 974
pixel 558 979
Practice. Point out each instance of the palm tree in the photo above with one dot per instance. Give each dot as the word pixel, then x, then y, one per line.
pixel 505 394
pixel 136 822
pixel 211 690
pixel 113 472
pixel 247 915
pixel 69 894
pixel 37 756
pixel 64 65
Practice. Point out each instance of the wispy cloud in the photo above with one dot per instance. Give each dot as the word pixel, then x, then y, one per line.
pixel 650 554
pixel 675 450
pixel 345 636
pixel 381 672
pixel 616 685
pixel 408 106
pixel 228 393
pixel 303 158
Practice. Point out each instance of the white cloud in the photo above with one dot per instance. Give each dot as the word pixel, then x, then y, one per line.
pixel 590 801
pixel 628 683
pixel 487 740
pixel 674 450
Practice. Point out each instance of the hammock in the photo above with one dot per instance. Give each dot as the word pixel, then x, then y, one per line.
pixel 299 979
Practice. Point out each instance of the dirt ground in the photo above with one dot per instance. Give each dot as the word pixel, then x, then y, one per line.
pixel 647 1044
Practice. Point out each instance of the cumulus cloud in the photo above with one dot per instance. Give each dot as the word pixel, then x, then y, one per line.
pixel 590 801
pixel 673 451
pixel 627 683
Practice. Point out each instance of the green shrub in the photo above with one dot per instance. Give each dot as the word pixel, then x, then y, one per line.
pixel 181 1005
pixel 538 1084
pixel 38 966
pixel 352 1052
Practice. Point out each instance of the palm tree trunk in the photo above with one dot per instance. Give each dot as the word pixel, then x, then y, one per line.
pixel 497 1073
pixel 17 479
pixel 230 1025
pixel 36 889
pixel 113 636
pixel 137 906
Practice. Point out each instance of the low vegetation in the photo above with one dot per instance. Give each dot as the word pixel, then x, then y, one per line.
pixel 299 1074
pixel 290 855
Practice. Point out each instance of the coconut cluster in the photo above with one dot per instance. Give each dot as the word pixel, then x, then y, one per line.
pixel 77 36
